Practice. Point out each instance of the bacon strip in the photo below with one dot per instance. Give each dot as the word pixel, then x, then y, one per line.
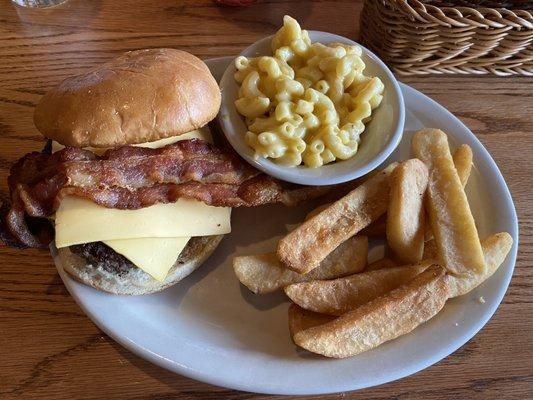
pixel 39 177
pixel 132 178
pixel 252 192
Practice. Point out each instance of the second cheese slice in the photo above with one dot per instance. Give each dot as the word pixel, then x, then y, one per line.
pixel 154 256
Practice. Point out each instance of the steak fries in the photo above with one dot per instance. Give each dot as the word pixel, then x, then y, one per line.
pixel 306 246
pixel 406 215
pixel 263 273
pixel 452 223
pixel 462 159
pixel 338 296
pixel 301 319
pixel 340 305
pixel 382 319
pixel 495 249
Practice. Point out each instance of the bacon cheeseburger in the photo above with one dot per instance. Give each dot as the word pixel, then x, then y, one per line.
pixel 137 193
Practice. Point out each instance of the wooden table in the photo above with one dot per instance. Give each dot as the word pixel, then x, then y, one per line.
pixel 49 348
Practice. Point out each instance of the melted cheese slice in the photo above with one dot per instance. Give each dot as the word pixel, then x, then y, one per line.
pixel 81 221
pixel 152 238
pixel 153 255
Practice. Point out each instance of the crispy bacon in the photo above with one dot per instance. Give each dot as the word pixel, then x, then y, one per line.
pixel 39 177
pixel 134 177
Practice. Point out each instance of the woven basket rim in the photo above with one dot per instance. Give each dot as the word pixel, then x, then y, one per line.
pixel 464 16
pixel 417 38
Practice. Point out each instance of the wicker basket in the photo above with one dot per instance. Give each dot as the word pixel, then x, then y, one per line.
pixel 433 37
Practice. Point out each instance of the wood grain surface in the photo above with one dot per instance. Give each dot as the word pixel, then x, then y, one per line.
pixel 50 349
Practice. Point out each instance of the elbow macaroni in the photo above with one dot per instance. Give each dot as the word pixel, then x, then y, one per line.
pixel 308 103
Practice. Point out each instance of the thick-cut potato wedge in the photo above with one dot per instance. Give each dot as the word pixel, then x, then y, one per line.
pixel 456 238
pixel 263 273
pixel 405 215
pixel 384 262
pixel 300 319
pixel 317 211
pixel 495 248
pixel 380 320
pixel 305 247
pixel 462 159
pixel 376 228
pixel 338 296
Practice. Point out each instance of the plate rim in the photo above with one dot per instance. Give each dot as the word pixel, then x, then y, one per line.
pixel 183 370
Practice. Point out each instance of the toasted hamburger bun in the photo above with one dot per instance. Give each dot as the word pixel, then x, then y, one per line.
pixel 135 281
pixel 138 97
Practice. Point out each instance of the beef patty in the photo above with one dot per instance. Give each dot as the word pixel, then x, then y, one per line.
pixel 98 253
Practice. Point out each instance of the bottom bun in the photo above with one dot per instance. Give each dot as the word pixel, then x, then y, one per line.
pixel 135 281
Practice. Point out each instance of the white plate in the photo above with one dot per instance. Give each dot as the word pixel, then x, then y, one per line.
pixel 211 329
pixel 381 136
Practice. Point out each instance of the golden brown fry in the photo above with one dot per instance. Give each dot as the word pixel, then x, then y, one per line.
pixel 376 228
pixel 382 263
pixel 305 247
pixel 380 320
pixel 405 215
pixel 338 296
pixel 453 226
pixel 462 159
pixel 263 273
pixel 317 211
pixel 300 319
pixel 495 248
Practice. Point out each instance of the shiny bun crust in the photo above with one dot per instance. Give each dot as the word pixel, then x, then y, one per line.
pixel 140 96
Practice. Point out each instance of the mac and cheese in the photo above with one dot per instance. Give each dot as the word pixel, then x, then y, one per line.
pixel 309 102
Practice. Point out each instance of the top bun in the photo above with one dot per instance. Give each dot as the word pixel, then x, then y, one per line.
pixel 140 96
